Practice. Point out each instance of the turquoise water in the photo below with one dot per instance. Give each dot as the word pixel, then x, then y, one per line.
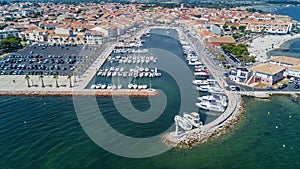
pixel 44 132
pixel 292 45
pixel 53 138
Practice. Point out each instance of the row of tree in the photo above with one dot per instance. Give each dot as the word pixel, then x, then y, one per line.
pixel 240 51
pixel 27 77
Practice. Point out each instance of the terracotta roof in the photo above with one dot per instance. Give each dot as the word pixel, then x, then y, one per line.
pixel 297 67
pixel 285 59
pixel 223 39
pixel 267 68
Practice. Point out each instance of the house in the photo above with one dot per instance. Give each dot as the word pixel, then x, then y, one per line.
pixel 284 61
pixel 267 73
pixel 294 71
pixel 93 37
pixel 240 75
pixel 8 32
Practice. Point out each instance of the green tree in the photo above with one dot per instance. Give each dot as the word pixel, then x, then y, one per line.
pixel 42 79
pixel 225 26
pixel 222 58
pixel 56 82
pixel 242 28
pixel 27 77
pixel 233 28
pixel 70 79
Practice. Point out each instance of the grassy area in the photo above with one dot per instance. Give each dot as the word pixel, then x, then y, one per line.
pixel 283 81
pixel 261 86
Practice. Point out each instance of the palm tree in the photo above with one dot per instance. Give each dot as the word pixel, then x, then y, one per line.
pixel 27 77
pixel 70 78
pixel 42 78
pixel 56 77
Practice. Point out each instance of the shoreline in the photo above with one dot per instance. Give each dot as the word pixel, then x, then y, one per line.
pixel 119 92
pixel 197 136
pixel 262 45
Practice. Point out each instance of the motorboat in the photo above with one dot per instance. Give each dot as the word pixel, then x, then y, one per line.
pixel 214 98
pixel 93 86
pixel 130 86
pixel 103 86
pixel 204 88
pixel 134 86
pixel 210 106
pixel 200 82
pixel 193 118
pixel 200 73
pixel 119 86
pixel 193 63
pixel 183 123
pixel 98 86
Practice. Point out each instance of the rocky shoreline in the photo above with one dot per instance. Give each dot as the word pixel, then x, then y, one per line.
pixel 198 136
pixel 137 93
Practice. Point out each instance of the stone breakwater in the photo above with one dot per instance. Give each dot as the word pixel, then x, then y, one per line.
pixel 203 134
pixel 122 92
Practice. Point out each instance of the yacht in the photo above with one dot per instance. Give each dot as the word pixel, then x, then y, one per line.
pixel 183 123
pixel 214 98
pixel 210 106
pixel 193 118
pixel 193 63
pixel 200 82
pixel 204 88
pixel 200 73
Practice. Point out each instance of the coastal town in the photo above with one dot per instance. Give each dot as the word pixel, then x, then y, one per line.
pixel 96 49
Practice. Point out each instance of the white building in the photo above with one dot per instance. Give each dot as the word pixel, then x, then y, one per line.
pixel 8 32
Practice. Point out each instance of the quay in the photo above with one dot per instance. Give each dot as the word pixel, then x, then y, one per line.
pixel 232 112
pixel 121 92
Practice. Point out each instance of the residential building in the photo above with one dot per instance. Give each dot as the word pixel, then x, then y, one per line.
pixel 267 73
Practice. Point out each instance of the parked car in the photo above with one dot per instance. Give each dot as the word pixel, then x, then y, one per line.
pixel 282 86
pixel 270 88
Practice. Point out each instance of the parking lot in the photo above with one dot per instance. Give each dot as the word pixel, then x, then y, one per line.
pixel 44 59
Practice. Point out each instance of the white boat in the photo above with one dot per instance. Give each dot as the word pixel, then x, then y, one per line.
pixel 103 86
pixel 214 98
pixel 193 63
pixel 98 86
pixel 119 86
pixel 141 74
pixel 108 74
pixel 93 86
pixel 146 74
pixel 200 82
pixel 193 118
pixel 134 86
pixel 109 86
pixel 130 86
pixel 210 106
pixel 204 88
pixel 183 123
pixel 157 74
pixel 200 74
